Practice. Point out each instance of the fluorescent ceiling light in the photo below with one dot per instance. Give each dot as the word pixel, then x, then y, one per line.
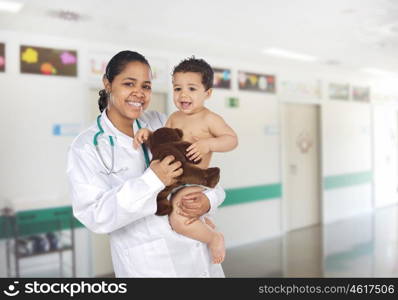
pixel 379 72
pixel 289 54
pixel 10 6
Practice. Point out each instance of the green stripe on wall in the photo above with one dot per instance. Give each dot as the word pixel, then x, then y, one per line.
pixel 59 218
pixel 52 219
pixel 252 193
pixel 343 180
pixel 38 221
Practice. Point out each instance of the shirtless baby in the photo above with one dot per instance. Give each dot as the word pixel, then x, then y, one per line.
pixel 208 133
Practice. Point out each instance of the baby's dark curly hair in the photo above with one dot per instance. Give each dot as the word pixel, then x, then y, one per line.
pixel 196 65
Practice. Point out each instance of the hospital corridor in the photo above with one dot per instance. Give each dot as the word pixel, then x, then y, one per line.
pixel 363 246
pixel 308 86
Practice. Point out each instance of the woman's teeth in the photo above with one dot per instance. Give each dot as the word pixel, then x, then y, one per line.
pixel 135 104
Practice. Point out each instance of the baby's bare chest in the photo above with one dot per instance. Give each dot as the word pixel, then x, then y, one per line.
pixel 194 130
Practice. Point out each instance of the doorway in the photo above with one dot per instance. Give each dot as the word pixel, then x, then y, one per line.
pixel 301 166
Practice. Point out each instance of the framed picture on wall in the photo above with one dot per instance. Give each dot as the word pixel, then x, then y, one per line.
pixel 256 82
pixel 361 94
pixel 97 62
pixel 222 78
pixel 160 72
pixel 2 57
pixel 48 61
pixel 300 90
pixel 339 91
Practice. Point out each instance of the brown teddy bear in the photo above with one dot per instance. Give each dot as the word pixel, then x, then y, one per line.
pixel 168 141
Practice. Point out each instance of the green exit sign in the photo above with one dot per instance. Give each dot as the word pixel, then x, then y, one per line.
pixel 233 102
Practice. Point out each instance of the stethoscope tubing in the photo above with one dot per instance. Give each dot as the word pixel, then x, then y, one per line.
pixel 110 169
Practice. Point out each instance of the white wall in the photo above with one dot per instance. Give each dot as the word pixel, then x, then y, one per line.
pixel 249 222
pixel 346 132
pixel 346 137
pixel 385 155
pixel 254 163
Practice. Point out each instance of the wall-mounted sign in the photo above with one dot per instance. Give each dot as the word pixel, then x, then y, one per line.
pixel 256 82
pixel 304 141
pixel 233 102
pixel 2 57
pixel 339 91
pixel 222 78
pixel 48 61
pixel 361 94
pixel 71 129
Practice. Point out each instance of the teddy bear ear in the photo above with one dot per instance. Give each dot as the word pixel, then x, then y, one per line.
pixel 179 132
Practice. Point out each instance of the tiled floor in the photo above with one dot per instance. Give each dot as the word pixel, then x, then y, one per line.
pixel 364 246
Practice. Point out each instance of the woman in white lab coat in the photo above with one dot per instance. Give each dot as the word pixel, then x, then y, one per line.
pixel 114 192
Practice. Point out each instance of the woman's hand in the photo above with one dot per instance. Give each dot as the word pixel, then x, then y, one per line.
pixel 167 170
pixel 192 203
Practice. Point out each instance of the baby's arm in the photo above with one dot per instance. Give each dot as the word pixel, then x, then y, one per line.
pixel 141 136
pixel 225 138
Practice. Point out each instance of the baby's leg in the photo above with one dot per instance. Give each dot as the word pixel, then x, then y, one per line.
pixel 200 231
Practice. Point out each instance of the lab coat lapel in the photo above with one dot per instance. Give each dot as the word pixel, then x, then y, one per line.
pixel 122 139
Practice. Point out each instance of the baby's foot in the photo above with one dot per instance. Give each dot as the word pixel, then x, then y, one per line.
pixel 210 223
pixel 217 248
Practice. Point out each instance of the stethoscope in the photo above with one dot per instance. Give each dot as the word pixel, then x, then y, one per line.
pixel 110 169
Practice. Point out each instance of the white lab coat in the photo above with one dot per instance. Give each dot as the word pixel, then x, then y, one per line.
pixel 123 205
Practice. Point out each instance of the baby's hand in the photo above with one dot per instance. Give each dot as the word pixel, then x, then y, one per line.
pixel 198 149
pixel 141 136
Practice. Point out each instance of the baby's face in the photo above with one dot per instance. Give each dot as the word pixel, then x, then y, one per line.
pixel 189 93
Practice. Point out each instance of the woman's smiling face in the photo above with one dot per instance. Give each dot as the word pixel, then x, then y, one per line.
pixel 130 91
